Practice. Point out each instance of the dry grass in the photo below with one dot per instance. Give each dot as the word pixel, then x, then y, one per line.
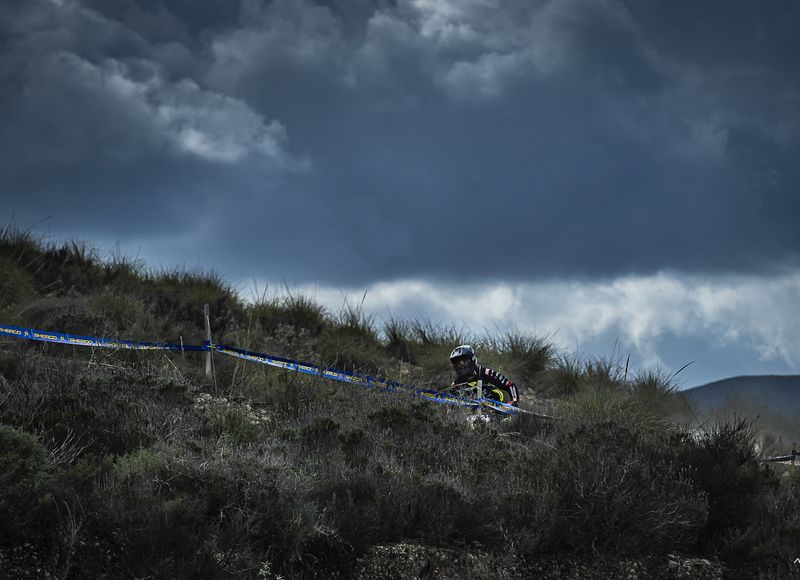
pixel 134 464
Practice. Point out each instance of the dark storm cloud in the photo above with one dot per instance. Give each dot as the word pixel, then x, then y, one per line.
pixel 344 142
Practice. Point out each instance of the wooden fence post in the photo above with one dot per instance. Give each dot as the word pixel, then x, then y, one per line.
pixel 209 352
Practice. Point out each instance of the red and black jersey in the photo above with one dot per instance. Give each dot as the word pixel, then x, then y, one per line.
pixel 495 379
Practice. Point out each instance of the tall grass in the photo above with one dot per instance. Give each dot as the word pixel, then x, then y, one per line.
pixel 174 480
pixel 135 464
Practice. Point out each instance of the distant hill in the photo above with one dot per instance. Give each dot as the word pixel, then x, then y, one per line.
pixel 776 393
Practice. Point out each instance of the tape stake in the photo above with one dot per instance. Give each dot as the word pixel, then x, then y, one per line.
pixel 207 319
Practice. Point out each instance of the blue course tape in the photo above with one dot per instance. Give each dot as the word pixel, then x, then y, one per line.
pixel 93 341
pixel 284 363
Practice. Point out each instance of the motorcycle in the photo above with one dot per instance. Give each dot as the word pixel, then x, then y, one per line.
pixel 488 400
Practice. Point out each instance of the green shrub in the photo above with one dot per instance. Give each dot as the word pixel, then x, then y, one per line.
pixel 774 533
pixel 424 345
pixel 520 355
pixel 570 374
pixel 17 287
pixel 595 405
pixel 113 409
pixel 398 341
pixel 125 317
pixel 179 297
pixel 623 492
pixel 294 310
pixel 722 464
pixel 24 485
pixel 70 314
pixel 658 392
pixel 236 420
pixel 156 530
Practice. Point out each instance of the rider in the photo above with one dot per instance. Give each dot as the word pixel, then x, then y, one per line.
pixel 467 370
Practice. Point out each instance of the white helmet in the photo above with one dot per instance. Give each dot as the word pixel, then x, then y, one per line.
pixel 464 360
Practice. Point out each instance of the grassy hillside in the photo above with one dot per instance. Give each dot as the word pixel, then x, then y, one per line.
pixel 135 464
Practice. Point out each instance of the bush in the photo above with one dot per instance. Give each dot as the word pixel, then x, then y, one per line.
pixel 722 464
pixel 71 314
pixel 225 418
pixel 185 515
pixel 111 409
pixel 622 492
pixel 179 297
pixel 571 374
pixel 295 310
pixel 658 392
pixel 24 485
pixel 17 287
pixel 423 344
pixel 521 355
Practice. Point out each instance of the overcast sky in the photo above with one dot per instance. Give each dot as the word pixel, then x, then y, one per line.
pixel 598 171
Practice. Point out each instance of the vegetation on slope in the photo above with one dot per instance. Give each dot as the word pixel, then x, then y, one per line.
pixel 135 464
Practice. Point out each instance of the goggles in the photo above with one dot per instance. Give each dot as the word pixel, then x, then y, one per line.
pixel 462 363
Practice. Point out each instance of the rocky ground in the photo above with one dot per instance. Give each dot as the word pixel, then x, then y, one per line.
pixel 408 562
pixel 413 562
